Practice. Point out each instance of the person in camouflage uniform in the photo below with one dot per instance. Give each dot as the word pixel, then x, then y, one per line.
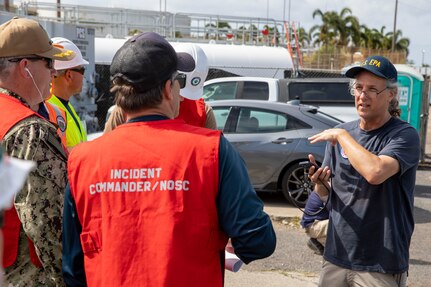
pixel 26 69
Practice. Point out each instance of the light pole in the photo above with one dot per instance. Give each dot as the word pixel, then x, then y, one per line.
pixel 288 15
pixel 284 12
pixel 395 26
pixel 284 16
pixel 423 58
pixel 267 12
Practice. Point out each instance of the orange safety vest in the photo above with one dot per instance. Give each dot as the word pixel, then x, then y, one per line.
pixel 11 113
pixel 58 116
pixel 193 112
pixel 148 211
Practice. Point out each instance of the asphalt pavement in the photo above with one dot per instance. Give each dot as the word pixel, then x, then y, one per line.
pixel 282 212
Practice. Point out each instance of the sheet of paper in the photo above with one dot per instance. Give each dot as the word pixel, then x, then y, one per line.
pixel 232 262
pixel 13 174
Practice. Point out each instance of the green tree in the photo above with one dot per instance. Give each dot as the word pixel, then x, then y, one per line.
pixel 303 37
pixel 134 32
pixel 372 38
pixel 401 44
pixel 250 33
pixel 336 29
pixel 219 28
pixel 322 34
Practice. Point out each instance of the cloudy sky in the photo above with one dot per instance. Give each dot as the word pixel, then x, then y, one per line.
pixel 413 17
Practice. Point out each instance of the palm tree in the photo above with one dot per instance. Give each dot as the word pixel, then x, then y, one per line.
pixel 303 37
pixel 347 27
pixel 401 44
pixel 323 34
pixel 336 29
pixel 220 27
pixel 209 28
pixel 252 31
pixel 372 38
pixel 344 29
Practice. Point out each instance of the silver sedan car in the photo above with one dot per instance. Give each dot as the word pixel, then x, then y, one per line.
pixel 272 139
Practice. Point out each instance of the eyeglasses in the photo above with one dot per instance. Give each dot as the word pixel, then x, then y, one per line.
pixel 371 93
pixel 181 78
pixel 79 70
pixel 49 61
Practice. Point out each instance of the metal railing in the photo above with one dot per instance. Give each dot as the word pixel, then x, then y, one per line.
pixel 191 27
pixel 118 23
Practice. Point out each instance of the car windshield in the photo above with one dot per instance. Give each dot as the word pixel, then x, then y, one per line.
pixel 220 91
pixel 321 93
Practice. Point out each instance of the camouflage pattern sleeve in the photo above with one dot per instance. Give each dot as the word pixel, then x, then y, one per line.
pixel 40 203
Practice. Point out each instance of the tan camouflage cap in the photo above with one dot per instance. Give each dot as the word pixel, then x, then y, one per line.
pixel 22 37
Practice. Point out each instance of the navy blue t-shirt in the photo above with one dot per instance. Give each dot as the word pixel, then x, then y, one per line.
pixel 370 226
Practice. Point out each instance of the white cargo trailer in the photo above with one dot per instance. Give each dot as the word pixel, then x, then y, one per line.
pixel 234 60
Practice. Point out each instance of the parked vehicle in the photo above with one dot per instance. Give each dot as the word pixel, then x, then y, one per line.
pixel 331 95
pixel 223 61
pixel 272 139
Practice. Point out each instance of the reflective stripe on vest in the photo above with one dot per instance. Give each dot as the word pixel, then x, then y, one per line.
pixel 157 193
pixel 13 111
pixel 58 116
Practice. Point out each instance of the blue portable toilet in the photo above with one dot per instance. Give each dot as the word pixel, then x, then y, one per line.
pixel 410 85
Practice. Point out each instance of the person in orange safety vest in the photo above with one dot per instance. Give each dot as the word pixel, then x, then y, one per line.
pixel 57 116
pixel 165 196
pixel 193 109
pixel 32 227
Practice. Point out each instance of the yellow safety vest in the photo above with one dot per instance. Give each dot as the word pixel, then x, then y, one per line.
pixel 74 134
pixel 58 116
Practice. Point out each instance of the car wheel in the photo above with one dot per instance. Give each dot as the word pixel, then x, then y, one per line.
pixel 295 186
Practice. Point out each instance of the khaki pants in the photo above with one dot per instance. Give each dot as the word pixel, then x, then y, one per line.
pixel 335 276
pixel 318 229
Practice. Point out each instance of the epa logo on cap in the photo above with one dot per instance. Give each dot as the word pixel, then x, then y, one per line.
pixel 195 81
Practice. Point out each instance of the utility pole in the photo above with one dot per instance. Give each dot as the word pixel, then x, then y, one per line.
pixel 267 12
pixel 164 21
pixel 160 16
pixel 284 12
pixel 288 15
pixel 284 16
pixel 58 9
pixel 395 26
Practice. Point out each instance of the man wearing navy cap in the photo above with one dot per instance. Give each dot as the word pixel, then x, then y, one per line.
pixel 372 162
pixel 153 202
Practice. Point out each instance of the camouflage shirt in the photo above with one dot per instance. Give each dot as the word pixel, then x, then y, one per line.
pixel 40 203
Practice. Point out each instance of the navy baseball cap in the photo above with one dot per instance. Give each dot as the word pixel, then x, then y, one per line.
pixel 377 65
pixel 148 60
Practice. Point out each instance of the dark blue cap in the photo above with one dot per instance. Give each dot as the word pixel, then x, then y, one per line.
pixel 377 65
pixel 148 59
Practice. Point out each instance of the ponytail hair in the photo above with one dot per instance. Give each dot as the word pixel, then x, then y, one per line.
pixel 394 106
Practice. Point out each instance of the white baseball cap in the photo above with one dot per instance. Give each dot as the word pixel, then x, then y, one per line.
pixel 68 45
pixel 196 78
